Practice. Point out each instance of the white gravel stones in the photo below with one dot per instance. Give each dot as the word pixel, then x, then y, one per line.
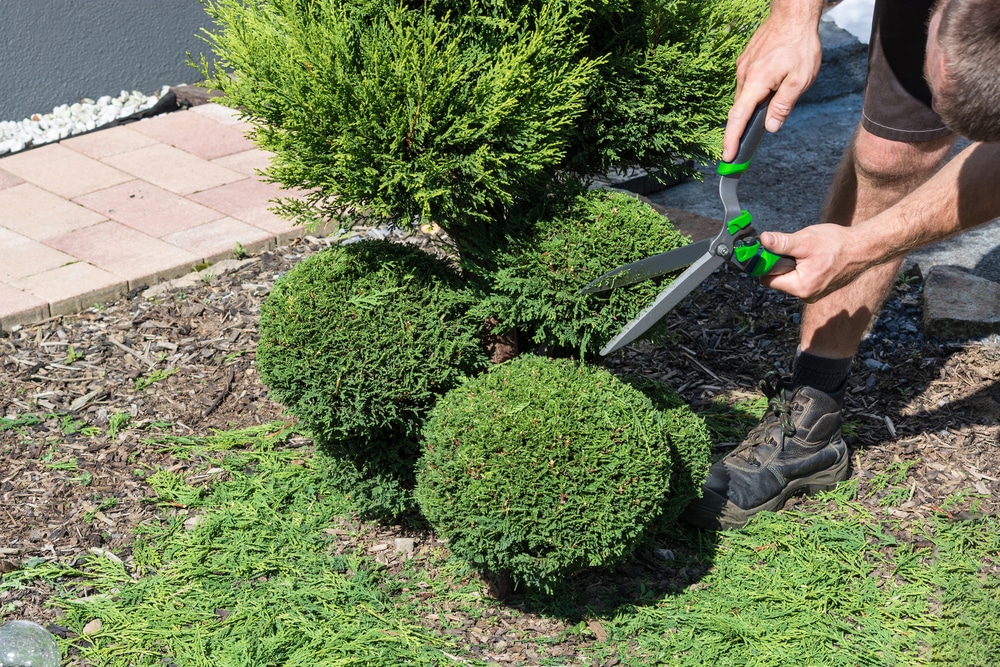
pixel 67 120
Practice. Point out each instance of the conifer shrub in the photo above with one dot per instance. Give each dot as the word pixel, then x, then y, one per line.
pixel 457 111
pixel 542 467
pixel 536 287
pixel 692 440
pixel 358 342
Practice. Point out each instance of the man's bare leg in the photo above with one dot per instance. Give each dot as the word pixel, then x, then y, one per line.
pixel 873 175
pixel 798 446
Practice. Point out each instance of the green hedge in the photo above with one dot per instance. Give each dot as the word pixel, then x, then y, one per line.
pixel 542 467
pixel 359 341
pixel 692 444
pixel 536 287
pixel 453 111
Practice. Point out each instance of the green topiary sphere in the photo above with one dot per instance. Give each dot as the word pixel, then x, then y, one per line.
pixel 692 444
pixel 542 467
pixel 359 341
pixel 536 288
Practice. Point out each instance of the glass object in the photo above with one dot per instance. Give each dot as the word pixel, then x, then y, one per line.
pixel 27 644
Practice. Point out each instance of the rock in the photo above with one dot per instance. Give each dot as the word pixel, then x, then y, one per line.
pixel 960 305
pixel 405 546
pixel 67 120
pixel 93 627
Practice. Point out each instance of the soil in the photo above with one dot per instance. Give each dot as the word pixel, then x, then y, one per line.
pixel 67 487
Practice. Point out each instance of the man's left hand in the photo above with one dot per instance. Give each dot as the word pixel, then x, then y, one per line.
pixel 824 258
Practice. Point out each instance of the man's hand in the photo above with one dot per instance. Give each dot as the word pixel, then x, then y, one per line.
pixel 826 259
pixel 783 56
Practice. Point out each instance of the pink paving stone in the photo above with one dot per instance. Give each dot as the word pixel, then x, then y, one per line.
pixel 37 214
pixel 221 114
pixel 74 287
pixel 20 307
pixel 248 200
pixel 8 180
pixel 107 142
pixel 196 134
pixel 23 256
pixel 63 171
pixel 217 240
pixel 248 162
pixel 125 252
pixel 148 208
pixel 173 169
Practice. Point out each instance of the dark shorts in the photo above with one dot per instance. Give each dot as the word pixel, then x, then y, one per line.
pixel 897 100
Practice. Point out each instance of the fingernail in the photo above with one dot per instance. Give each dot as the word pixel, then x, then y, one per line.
pixel 772 124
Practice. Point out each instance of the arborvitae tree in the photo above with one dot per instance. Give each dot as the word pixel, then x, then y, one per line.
pixel 463 111
pixel 489 118
pixel 358 341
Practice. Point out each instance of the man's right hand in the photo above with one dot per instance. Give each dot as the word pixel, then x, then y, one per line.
pixel 783 56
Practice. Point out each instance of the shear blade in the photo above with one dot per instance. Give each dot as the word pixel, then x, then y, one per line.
pixel 650 267
pixel 665 301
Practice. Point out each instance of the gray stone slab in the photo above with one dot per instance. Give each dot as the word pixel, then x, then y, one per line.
pixel 960 305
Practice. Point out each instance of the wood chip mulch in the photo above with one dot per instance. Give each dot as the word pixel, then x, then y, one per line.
pixel 182 363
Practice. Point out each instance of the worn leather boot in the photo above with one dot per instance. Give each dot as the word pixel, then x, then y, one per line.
pixel 797 447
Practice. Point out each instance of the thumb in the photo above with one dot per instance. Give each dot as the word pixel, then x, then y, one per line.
pixel 778 243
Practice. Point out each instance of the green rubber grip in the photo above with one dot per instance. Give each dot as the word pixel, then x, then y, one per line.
pixel 755 260
pixel 742 221
pixel 730 168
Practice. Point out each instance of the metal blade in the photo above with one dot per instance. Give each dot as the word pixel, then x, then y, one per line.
pixel 650 267
pixel 665 301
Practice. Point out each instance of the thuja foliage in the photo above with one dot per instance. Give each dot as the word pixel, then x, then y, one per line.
pixel 691 440
pixel 460 111
pixel 542 467
pixel 358 341
pixel 536 288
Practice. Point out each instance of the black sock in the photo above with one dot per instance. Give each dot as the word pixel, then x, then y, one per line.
pixel 827 375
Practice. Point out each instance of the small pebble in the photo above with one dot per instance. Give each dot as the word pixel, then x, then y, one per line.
pixel 405 545
pixel 93 626
pixel 67 120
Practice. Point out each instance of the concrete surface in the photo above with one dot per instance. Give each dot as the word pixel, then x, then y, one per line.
pixel 55 53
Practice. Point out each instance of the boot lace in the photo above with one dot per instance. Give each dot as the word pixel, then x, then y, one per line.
pixel 778 411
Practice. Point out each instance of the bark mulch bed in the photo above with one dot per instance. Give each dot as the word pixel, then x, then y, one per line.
pixel 81 394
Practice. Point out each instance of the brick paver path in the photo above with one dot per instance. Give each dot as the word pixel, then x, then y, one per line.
pixel 90 218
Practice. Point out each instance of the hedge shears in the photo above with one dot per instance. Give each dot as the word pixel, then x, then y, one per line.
pixel 737 242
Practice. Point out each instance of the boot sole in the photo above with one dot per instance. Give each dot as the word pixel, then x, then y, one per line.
pixel 736 517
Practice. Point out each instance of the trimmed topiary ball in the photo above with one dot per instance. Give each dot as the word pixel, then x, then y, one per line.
pixel 359 341
pixel 692 444
pixel 542 467
pixel 536 288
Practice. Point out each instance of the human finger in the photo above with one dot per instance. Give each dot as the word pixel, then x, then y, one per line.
pixel 740 113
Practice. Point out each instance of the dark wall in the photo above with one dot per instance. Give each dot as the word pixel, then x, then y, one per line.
pixel 59 51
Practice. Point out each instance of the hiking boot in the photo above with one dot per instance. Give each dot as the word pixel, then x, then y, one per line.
pixel 797 447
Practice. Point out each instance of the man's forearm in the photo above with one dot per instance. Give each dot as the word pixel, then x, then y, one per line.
pixel 965 193
pixel 802 12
